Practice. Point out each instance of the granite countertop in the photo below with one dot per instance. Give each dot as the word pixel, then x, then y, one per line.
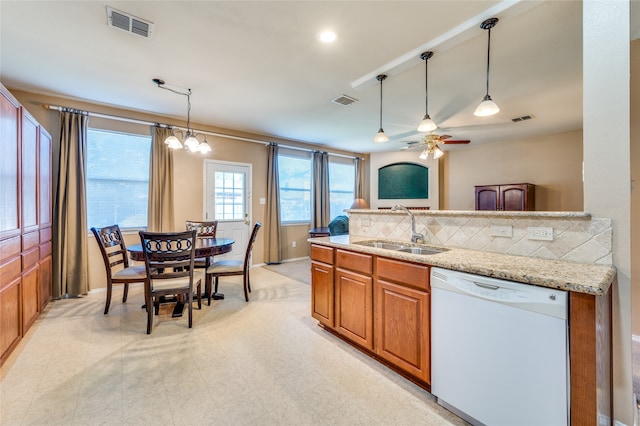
pixel 577 277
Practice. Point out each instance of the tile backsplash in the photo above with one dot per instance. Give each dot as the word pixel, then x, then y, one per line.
pixel 577 237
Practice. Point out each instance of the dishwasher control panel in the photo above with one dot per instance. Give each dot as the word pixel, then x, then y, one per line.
pixel 525 296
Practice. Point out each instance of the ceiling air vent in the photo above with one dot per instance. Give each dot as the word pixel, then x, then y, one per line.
pixel 523 118
pixel 129 23
pixel 344 100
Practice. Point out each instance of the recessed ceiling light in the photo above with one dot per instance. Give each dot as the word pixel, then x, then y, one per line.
pixel 327 36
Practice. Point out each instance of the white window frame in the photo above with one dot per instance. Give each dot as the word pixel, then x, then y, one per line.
pixel 303 154
pixel 125 229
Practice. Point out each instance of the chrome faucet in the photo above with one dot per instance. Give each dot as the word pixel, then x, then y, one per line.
pixel 415 236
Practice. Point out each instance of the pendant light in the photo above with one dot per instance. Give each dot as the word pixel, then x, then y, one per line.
pixel 191 142
pixel 380 136
pixel 487 106
pixel 427 124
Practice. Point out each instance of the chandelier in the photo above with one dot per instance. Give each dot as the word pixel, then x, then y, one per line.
pixel 190 140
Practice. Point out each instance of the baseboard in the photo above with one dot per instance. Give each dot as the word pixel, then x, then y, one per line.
pixel 294 259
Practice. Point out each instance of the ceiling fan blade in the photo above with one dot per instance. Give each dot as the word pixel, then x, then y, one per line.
pixel 443 137
pixel 452 142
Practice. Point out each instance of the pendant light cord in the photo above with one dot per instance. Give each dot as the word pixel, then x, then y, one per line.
pixel 160 84
pixel 426 87
pixel 488 58
pixel 381 79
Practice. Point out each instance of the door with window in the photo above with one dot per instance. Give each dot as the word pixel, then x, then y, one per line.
pixel 227 199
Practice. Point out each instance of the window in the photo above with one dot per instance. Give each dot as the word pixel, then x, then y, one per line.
pixel 117 179
pixel 229 198
pixel 294 173
pixel 341 186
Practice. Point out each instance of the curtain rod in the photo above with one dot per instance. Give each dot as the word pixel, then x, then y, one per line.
pixel 154 123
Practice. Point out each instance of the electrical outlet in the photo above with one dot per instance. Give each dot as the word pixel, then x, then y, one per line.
pixel 502 231
pixel 293 244
pixel 540 233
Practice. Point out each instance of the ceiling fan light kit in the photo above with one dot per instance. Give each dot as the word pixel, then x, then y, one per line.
pixel 487 107
pixel 427 124
pixel 381 136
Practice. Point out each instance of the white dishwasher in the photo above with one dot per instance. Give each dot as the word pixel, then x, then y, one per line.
pixel 499 353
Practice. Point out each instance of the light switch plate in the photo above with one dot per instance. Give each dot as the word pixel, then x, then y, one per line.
pixel 541 233
pixel 502 231
pixel 263 201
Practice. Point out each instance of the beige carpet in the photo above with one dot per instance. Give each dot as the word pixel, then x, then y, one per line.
pixel 299 270
pixel 265 362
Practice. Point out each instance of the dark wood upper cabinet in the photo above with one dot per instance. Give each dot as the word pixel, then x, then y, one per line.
pixel 510 197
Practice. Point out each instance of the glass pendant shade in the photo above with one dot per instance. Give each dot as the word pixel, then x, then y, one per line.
pixel 437 153
pixel 173 142
pixel 424 154
pixel 191 143
pixel 427 124
pixel 204 147
pixel 486 108
pixel 381 137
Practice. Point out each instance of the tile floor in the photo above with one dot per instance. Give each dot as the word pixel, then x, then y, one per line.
pixel 259 363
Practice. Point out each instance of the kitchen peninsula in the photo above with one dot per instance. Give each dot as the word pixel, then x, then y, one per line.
pixel 353 276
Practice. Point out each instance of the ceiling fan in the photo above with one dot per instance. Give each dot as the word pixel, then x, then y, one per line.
pixel 429 144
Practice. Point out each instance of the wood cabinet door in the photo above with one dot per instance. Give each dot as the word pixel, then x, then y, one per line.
pixel 402 328
pixel 10 317
pixel 354 307
pixel 10 165
pixel 322 293
pixel 513 197
pixel 44 281
pixel 488 197
pixel 45 185
pixel 29 172
pixel 30 301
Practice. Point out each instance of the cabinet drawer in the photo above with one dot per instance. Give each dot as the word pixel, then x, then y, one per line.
pixel 410 274
pixel 322 254
pixel 358 262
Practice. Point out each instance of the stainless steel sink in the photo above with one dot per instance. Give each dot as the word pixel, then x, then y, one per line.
pixel 405 248
pixel 419 250
pixel 382 245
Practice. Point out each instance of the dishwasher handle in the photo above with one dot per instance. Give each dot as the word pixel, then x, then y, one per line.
pixel 487 286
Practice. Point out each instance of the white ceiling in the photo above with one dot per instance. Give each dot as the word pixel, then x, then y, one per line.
pixel 258 67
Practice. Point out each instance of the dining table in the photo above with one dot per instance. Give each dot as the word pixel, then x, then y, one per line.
pixel 205 248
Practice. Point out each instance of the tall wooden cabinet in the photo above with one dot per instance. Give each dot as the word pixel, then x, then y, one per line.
pixel 25 221
pixel 511 197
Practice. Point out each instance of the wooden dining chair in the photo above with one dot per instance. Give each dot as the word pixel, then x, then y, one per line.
pixel 168 259
pixel 116 262
pixel 203 230
pixel 224 268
